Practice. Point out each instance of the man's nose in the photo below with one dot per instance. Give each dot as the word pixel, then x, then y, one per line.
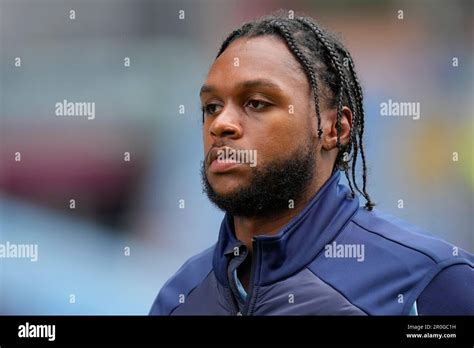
pixel 226 124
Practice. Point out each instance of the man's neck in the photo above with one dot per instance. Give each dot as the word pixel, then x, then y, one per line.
pixel 247 227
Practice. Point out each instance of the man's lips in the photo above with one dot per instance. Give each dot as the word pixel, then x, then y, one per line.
pixel 222 167
pixel 215 151
pixel 217 166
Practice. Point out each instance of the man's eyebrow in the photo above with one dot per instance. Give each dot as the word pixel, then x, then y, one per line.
pixel 207 89
pixel 245 85
pixel 259 83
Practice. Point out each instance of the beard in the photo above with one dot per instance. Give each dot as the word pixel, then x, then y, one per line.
pixel 271 187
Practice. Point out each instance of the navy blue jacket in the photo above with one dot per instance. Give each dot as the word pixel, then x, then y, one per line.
pixel 334 258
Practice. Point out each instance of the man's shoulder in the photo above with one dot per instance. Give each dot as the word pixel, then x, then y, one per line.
pixel 394 261
pixel 438 272
pixel 188 277
pixel 378 228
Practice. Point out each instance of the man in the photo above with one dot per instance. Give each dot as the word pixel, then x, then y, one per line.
pixel 282 117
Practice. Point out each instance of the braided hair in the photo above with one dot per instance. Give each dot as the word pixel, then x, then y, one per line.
pixel 331 73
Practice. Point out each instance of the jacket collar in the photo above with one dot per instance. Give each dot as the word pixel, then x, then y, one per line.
pixel 298 242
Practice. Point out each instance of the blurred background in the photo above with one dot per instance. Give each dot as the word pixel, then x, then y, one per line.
pixel 134 222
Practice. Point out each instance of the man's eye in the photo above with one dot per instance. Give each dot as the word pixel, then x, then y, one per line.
pixel 257 104
pixel 210 109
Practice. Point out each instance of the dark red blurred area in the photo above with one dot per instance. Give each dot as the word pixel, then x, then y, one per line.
pixel 87 168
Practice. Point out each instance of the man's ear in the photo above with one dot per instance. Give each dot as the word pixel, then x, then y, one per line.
pixel 329 138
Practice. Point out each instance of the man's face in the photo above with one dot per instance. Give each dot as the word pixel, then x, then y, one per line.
pixel 256 97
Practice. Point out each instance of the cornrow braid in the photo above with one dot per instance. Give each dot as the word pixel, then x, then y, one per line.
pixel 344 84
pixel 307 66
pixel 335 62
pixel 356 107
pixel 321 55
pixel 232 36
pixel 359 127
pixel 358 90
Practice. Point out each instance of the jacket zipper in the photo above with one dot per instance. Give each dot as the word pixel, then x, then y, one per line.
pixel 253 267
pixel 234 303
pixel 231 294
